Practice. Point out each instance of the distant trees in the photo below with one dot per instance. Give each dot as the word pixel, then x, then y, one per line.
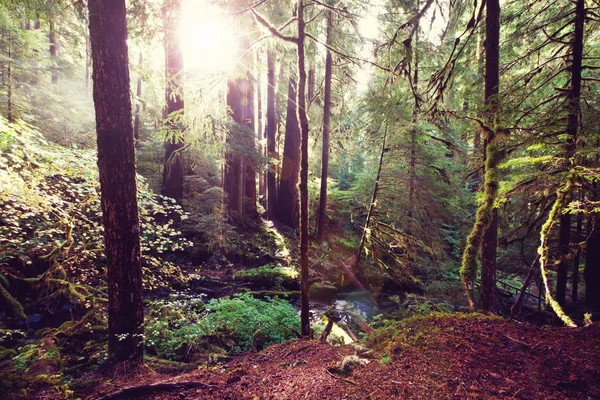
pixel 172 181
pixel 116 165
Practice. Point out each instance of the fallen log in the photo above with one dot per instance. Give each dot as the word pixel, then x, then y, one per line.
pixel 128 392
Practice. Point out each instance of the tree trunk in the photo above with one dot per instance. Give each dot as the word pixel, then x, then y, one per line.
pixel 262 191
pixel 571 144
pixel 138 103
pixel 9 86
pixel 303 119
pixel 287 199
pixel 322 213
pixel 492 81
pixel 592 266
pixel 366 230
pixel 172 182
pixel 116 165
pixel 576 262
pixel 484 232
pixel 241 101
pixel 52 40
pixel 234 180
pixel 271 131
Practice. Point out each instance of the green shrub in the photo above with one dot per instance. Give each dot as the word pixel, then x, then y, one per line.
pixel 273 274
pixel 177 329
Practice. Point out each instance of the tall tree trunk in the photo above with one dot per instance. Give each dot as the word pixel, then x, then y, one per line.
pixel 572 127
pixel 271 132
pixel 138 103
pixel 116 165
pixel 366 230
pixel 322 213
pixel 492 81
pixel 412 162
pixel 483 236
pixel 9 86
pixel 287 198
pixel 262 191
pixel 233 183
pixel 303 119
pixel 172 182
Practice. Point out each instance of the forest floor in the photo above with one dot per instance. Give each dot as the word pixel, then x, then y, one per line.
pixel 454 356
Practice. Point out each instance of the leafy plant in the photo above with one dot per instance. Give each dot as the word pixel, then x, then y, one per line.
pixel 175 330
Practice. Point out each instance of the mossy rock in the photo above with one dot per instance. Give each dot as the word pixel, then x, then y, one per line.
pixel 322 291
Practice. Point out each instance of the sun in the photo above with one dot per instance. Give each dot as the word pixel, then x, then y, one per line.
pixel 207 40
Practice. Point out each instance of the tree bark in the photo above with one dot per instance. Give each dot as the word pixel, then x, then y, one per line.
pixel 172 182
pixel 492 81
pixel 116 165
pixel 322 213
pixel 271 132
pixel 262 190
pixel 570 147
pixel 303 119
pixel 287 199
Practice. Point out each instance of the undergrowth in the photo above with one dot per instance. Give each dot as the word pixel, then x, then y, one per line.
pixel 178 330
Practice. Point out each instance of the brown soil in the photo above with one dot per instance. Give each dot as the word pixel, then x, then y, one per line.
pixel 456 356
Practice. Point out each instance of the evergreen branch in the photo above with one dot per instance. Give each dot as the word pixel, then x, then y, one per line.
pixel 355 60
pixel 274 31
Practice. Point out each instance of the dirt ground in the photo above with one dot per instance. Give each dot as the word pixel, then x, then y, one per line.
pixel 457 356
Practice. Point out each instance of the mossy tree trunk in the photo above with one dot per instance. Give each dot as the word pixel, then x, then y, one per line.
pixel 172 181
pixel 303 119
pixel 570 147
pixel 484 234
pixel 116 165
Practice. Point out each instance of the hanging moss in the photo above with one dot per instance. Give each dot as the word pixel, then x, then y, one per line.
pixel 543 251
pixel 468 271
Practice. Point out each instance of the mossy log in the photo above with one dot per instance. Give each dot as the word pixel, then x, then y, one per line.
pixel 129 392
pixel 15 306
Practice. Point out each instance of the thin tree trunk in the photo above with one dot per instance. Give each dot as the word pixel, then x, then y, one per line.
pixel 365 233
pixel 52 41
pixel 172 182
pixel 9 112
pixel 575 274
pixel 572 127
pixel 271 132
pixel 116 166
pixel 303 119
pixel 322 213
pixel 262 191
